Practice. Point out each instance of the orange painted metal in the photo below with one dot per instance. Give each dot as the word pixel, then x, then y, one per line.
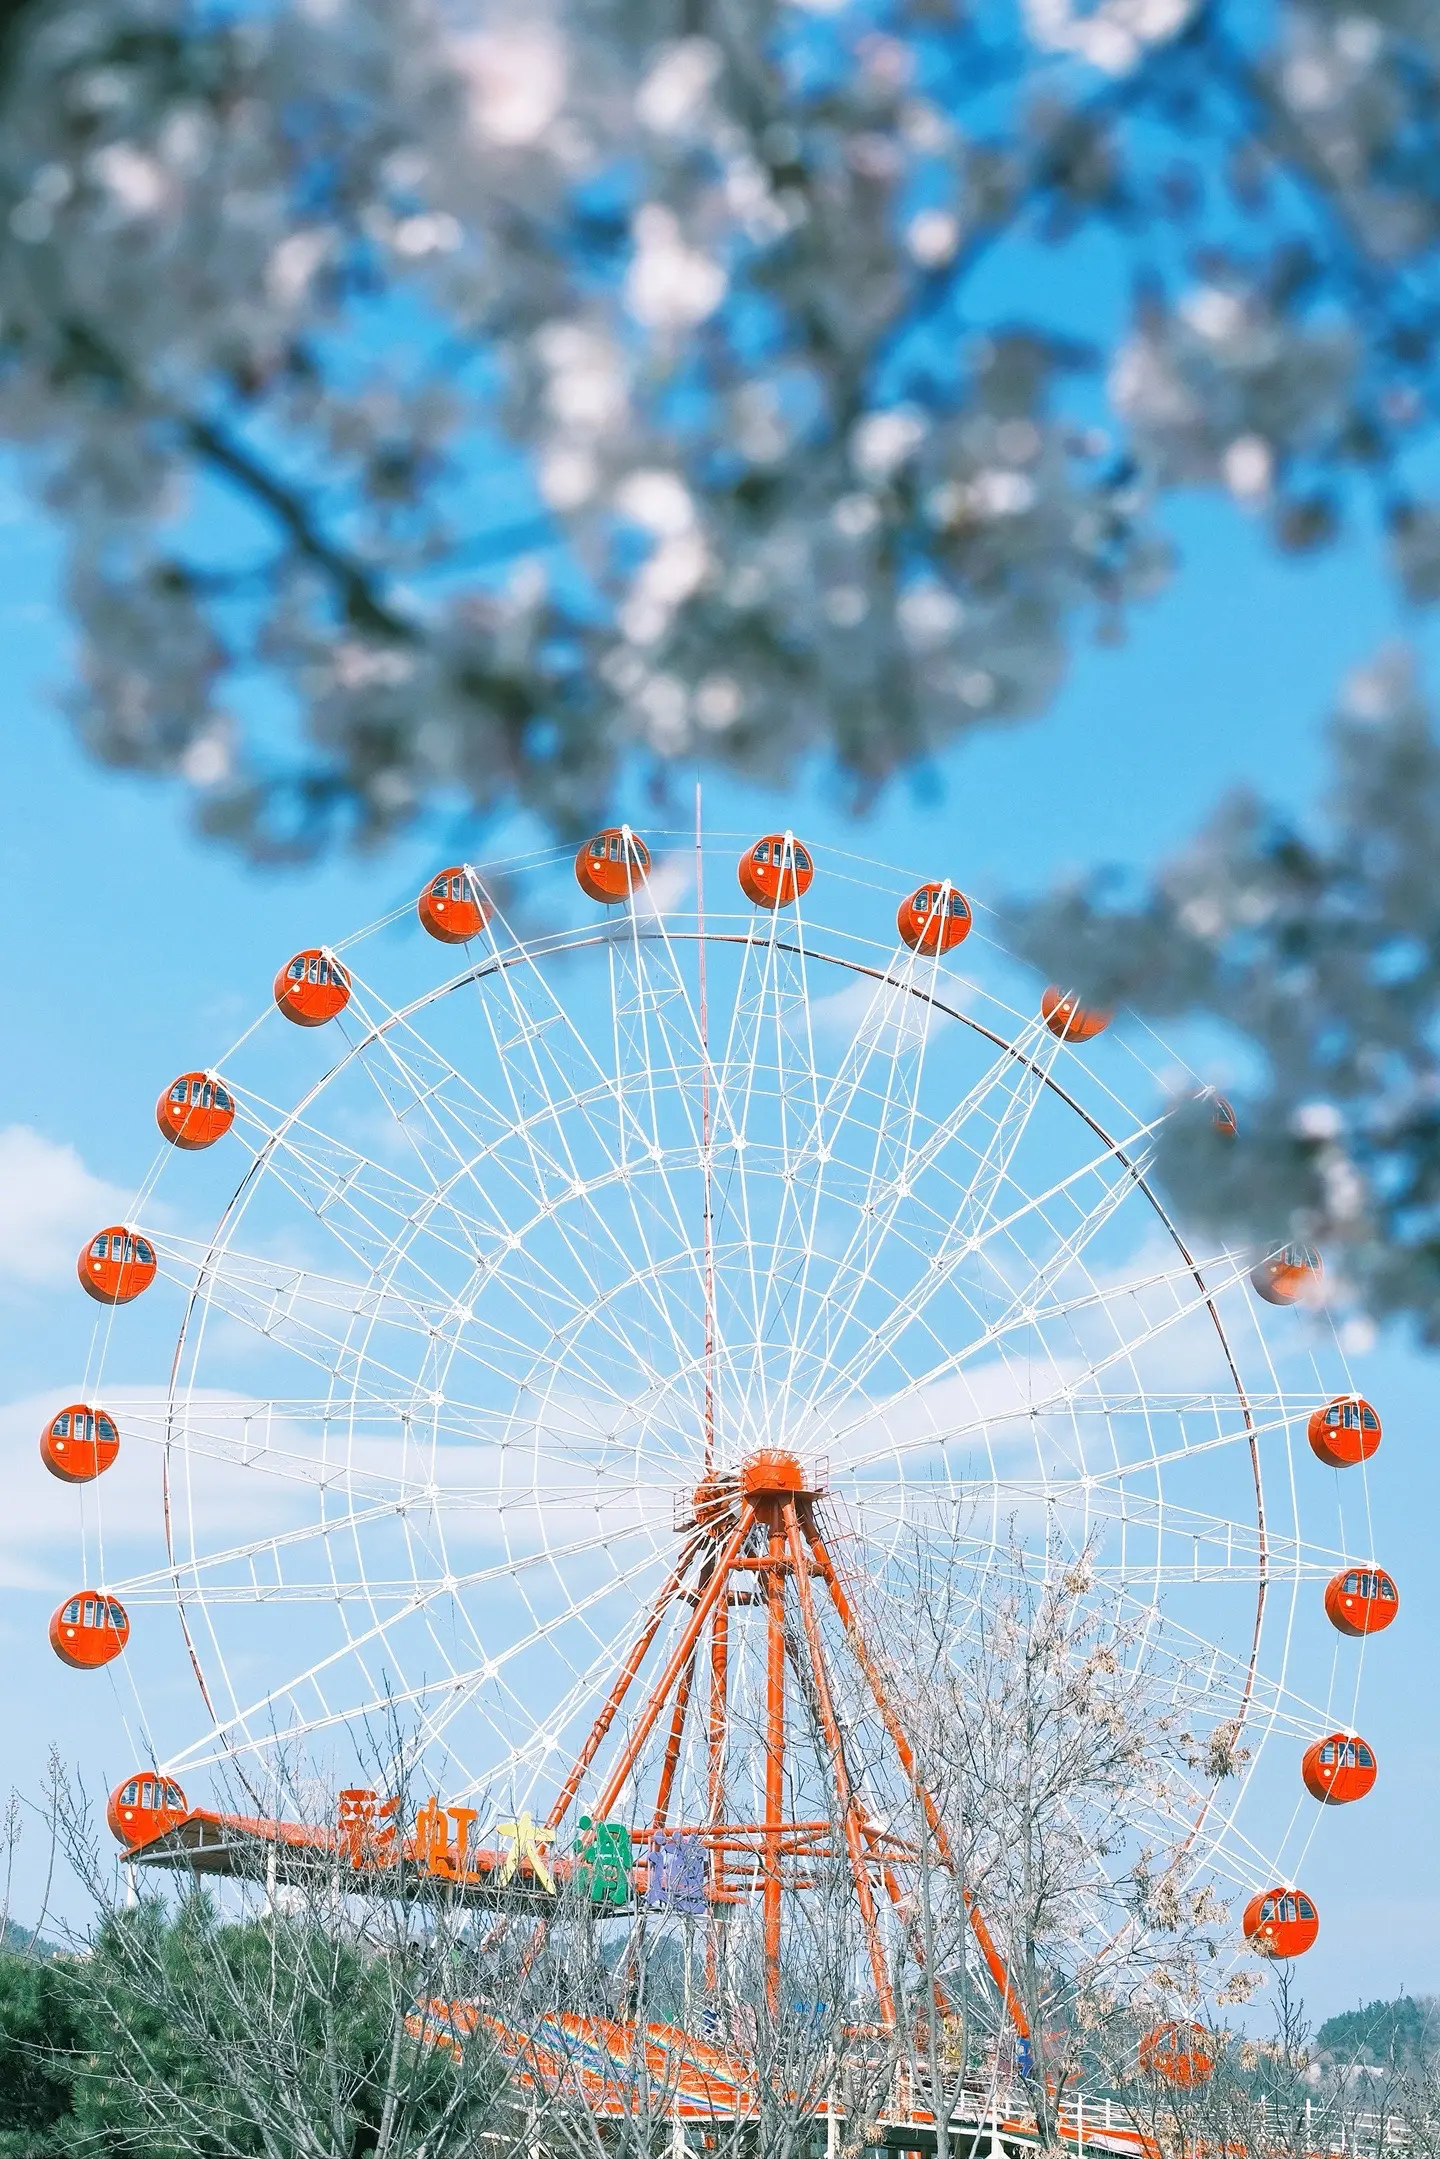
pixel 195 1111
pixel 117 1265
pixel 454 907
pixel 985 1941
pixel 1361 1600
pixel 1066 1017
pixel 717 1737
pixel 79 1443
pixel 705 1603
pixel 621 1688
pixel 768 1503
pixel 313 988
pixel 935 919
pixel 672 1745
pixel 89 1630
pixel 1345 1433
pixel 849 1814
pixel 776 871
pixel 1294 1276
pixel 774 1759
pixel 612 866
pixel 145 1807
pixel 1280 1923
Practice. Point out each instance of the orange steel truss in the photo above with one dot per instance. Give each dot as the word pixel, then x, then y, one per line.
pixel 752 1538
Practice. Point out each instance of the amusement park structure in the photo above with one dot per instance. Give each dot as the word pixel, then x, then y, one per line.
pixel 740 1744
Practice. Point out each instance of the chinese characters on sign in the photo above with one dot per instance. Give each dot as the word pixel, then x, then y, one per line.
pixel 607 1860
pixel 602 1861
pixel 676 1880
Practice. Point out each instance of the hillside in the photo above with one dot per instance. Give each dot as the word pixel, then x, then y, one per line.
pixel 1404 2031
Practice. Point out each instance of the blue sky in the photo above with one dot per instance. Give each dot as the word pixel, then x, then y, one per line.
pixel 131 951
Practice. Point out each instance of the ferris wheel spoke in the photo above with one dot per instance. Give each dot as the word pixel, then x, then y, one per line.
pixel 191 1572
pixel 1023 1311
pixel 971 1219
pixel 558 1291
pixel 1076 1400
pixel 1248 1554
pixel 943 1266
pixel 1200 1289
pixel 288 1306
pixel 772 1015
pixel 461 1686
pixel 890 1144
pixel 617 1180
pixel 777 1251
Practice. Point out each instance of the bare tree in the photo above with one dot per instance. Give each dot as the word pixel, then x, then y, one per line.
pixel 277 2018
pixel 1051 1745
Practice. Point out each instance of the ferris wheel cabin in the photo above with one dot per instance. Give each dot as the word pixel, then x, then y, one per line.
pixel 1339 1769
pixel 776 871
pixel 454 907
pixel 1362 1600
pixel 117 1265
pixel 1293 1276
pixel 935 919
pixel 1181 2055
pixel 1345 1433
pixel 1281 1923
pixel 195 1111
pixel 79 1444
pixel 89 1631
pixel 1066 1017
pixel 312 989
pixel 145 1808
pixel 612 866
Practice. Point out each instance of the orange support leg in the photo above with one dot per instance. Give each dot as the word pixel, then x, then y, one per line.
pixel 716 1587
pixel 774 1760
pixel 622 1686
pixel 995 1963
pixel 859 1867
pixel 719 1732
pixel 672 1745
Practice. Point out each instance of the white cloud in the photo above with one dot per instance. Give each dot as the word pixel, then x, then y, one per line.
pixel 50 1528
pixel 49 1204
pixel 884 1017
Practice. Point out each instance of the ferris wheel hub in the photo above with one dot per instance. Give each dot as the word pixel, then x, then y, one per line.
pixel 774 1473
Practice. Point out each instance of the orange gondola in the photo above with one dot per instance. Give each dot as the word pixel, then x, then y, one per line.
pixel 312 989
pixel 1281 1923
pixel 1181 2054
pixel 1338 1769
pixel 89 1630
pixel 1293 1276
pixel 145 1807
pixel 935 919
pixel 1362 1600
pixel 1346 1432
pixel 776 871
pixel 1065 1016
pixel 454 907
pixel 195 1111
pixel 79 1444
pixel 117 1265
pixel 612 866
pixel 1222 1116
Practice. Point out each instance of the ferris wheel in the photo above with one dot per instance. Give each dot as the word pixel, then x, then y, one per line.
pixel 739 1223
